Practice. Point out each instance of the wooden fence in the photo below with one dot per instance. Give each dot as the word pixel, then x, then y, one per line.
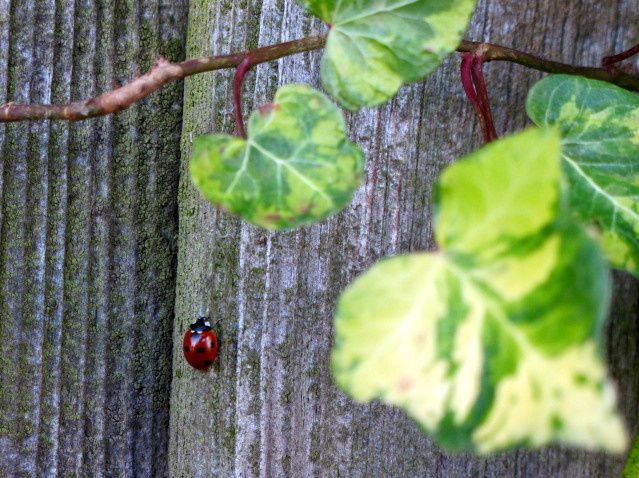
pixel 92 266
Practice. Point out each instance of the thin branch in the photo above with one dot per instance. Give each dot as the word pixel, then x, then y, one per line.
pixel 608 61
pixel 164 72
pixel 491 52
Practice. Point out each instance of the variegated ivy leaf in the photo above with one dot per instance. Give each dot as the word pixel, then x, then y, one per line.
pixel 600 127
pixel 295 167
pixel 494 341
pixel 375 46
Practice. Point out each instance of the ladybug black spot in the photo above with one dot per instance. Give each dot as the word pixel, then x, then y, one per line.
pixel 186 348
pixel 208 362
pixel 200 350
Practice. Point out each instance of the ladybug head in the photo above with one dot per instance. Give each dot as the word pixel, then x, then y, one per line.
pixel 201 325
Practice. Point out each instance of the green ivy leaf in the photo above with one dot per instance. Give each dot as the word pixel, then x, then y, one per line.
pixel 600 127
pixel 375 46
pixel 493 342
pixel 631 470
pixel 295 167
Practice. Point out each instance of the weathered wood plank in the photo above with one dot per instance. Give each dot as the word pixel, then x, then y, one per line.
pixel 88 224
pixel 269 407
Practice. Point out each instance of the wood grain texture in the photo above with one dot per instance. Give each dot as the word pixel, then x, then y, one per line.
pixel 268 407
pixel 88 226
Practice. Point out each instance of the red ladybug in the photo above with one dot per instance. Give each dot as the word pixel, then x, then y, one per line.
pixel 200 344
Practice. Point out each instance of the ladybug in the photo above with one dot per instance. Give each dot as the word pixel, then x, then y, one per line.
pixel 200 344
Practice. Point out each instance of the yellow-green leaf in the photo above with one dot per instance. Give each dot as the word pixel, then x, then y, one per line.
pixel 375 46
pixel 295 167
pixel 493 342
pixel 599 123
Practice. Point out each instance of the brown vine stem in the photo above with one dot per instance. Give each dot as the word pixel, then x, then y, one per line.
pixel 161 73
pixel 472 76
pixel 238 81
pixel 608 61
pixel 490 52
pixel 477 93
pixel 164 72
